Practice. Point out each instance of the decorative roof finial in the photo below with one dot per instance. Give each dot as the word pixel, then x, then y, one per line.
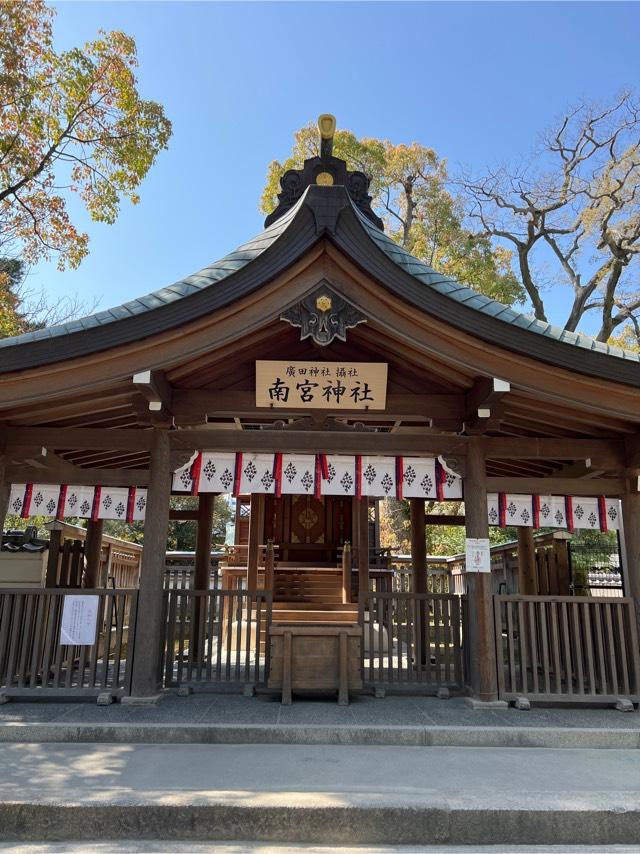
pixel 324 171
pixel 327 128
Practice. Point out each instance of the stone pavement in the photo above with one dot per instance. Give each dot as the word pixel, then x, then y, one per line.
pixel 363 710
pixel 380 772
pixel 232 718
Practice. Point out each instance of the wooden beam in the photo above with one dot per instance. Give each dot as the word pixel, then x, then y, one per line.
pixel 194 405
pixel 555 449
pixel 632 451
pixel 72 438
pixel 483 408
pixel 445 519
pixel 154 387
pixel 78 476
pixel 184 515
pixel 611 486
pixel 352 442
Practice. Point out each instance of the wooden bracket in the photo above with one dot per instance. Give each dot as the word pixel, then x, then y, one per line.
pixel 155 388
pixel 484 410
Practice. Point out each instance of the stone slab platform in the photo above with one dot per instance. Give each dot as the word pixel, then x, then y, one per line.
pixel 320 794
pixel 234 719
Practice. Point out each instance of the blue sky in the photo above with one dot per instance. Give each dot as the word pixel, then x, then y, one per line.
pixel 476 81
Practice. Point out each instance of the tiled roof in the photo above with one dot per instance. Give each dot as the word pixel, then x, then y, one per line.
pixel 325 205
pixel 472 299
pixel 192 284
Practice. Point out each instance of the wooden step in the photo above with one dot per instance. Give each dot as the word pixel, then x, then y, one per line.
pixel 310 606
pixel 316 616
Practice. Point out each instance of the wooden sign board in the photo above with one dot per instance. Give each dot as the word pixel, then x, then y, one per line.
pixel 321 385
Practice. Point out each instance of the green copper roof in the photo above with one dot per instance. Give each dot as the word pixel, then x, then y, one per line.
pixel 320 212
pixel 472 299
pixel 192 284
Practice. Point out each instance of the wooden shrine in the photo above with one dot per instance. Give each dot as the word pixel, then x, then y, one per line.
pixel 315 371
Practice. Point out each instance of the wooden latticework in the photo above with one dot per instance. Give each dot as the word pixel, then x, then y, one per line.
pixel 34 662
pixel 567 648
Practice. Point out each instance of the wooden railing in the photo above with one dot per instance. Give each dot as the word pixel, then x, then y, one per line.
pixel 34 662
pixel 412 640
pixel 181 578
pixel 565 648
pixel 216 636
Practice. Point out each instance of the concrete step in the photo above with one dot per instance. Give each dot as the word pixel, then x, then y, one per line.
pixel 323 795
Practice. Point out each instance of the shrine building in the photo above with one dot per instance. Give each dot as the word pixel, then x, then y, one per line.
pixel 312 373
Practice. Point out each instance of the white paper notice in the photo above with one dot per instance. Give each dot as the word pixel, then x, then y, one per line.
pixel 79 620
pixel 478 555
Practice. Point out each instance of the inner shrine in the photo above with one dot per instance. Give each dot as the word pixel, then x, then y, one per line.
pixel 311 374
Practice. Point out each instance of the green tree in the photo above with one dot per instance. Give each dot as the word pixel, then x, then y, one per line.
pixel 12 320
pixel 70 122
pixel 409 187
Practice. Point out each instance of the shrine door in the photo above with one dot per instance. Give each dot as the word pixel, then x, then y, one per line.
pixel 307 530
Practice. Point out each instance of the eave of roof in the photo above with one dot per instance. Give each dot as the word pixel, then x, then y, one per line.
pixel 321 212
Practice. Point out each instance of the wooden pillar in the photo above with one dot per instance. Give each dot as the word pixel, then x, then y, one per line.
pixel 480 633
pixel 346 572
pixel 269 566
pixel 5 486
pixel 631 544
pixel 419 576
pixel 53 558
pixel 527 574
pixel 418 545
pixel 92 554
pixel 149 637
pixel 202 565
pixel 363 545
pixel 256 535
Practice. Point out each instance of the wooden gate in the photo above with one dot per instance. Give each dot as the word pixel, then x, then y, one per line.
pixel 216 637
pixel 412 641
pixel 33 662
pixel 567 648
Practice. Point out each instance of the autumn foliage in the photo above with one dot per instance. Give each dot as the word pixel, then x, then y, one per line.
pixel 70 122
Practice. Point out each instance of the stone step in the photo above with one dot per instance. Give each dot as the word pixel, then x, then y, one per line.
pixel 320 795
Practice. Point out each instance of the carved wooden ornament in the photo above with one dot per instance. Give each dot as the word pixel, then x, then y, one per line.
pixel 323 315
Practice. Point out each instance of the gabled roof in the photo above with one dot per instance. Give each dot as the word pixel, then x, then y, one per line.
pixel 321 212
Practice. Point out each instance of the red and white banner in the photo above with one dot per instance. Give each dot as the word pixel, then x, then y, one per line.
pixel 553 511
pixel 81 502
pixel 319 474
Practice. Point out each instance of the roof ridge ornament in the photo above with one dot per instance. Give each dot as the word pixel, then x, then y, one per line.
pixel 323 315
pixel 324 171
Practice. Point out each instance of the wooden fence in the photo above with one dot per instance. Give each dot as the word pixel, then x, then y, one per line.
pixel 567 648
pixel 216 636
pixel 34 662
pixel 412 640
